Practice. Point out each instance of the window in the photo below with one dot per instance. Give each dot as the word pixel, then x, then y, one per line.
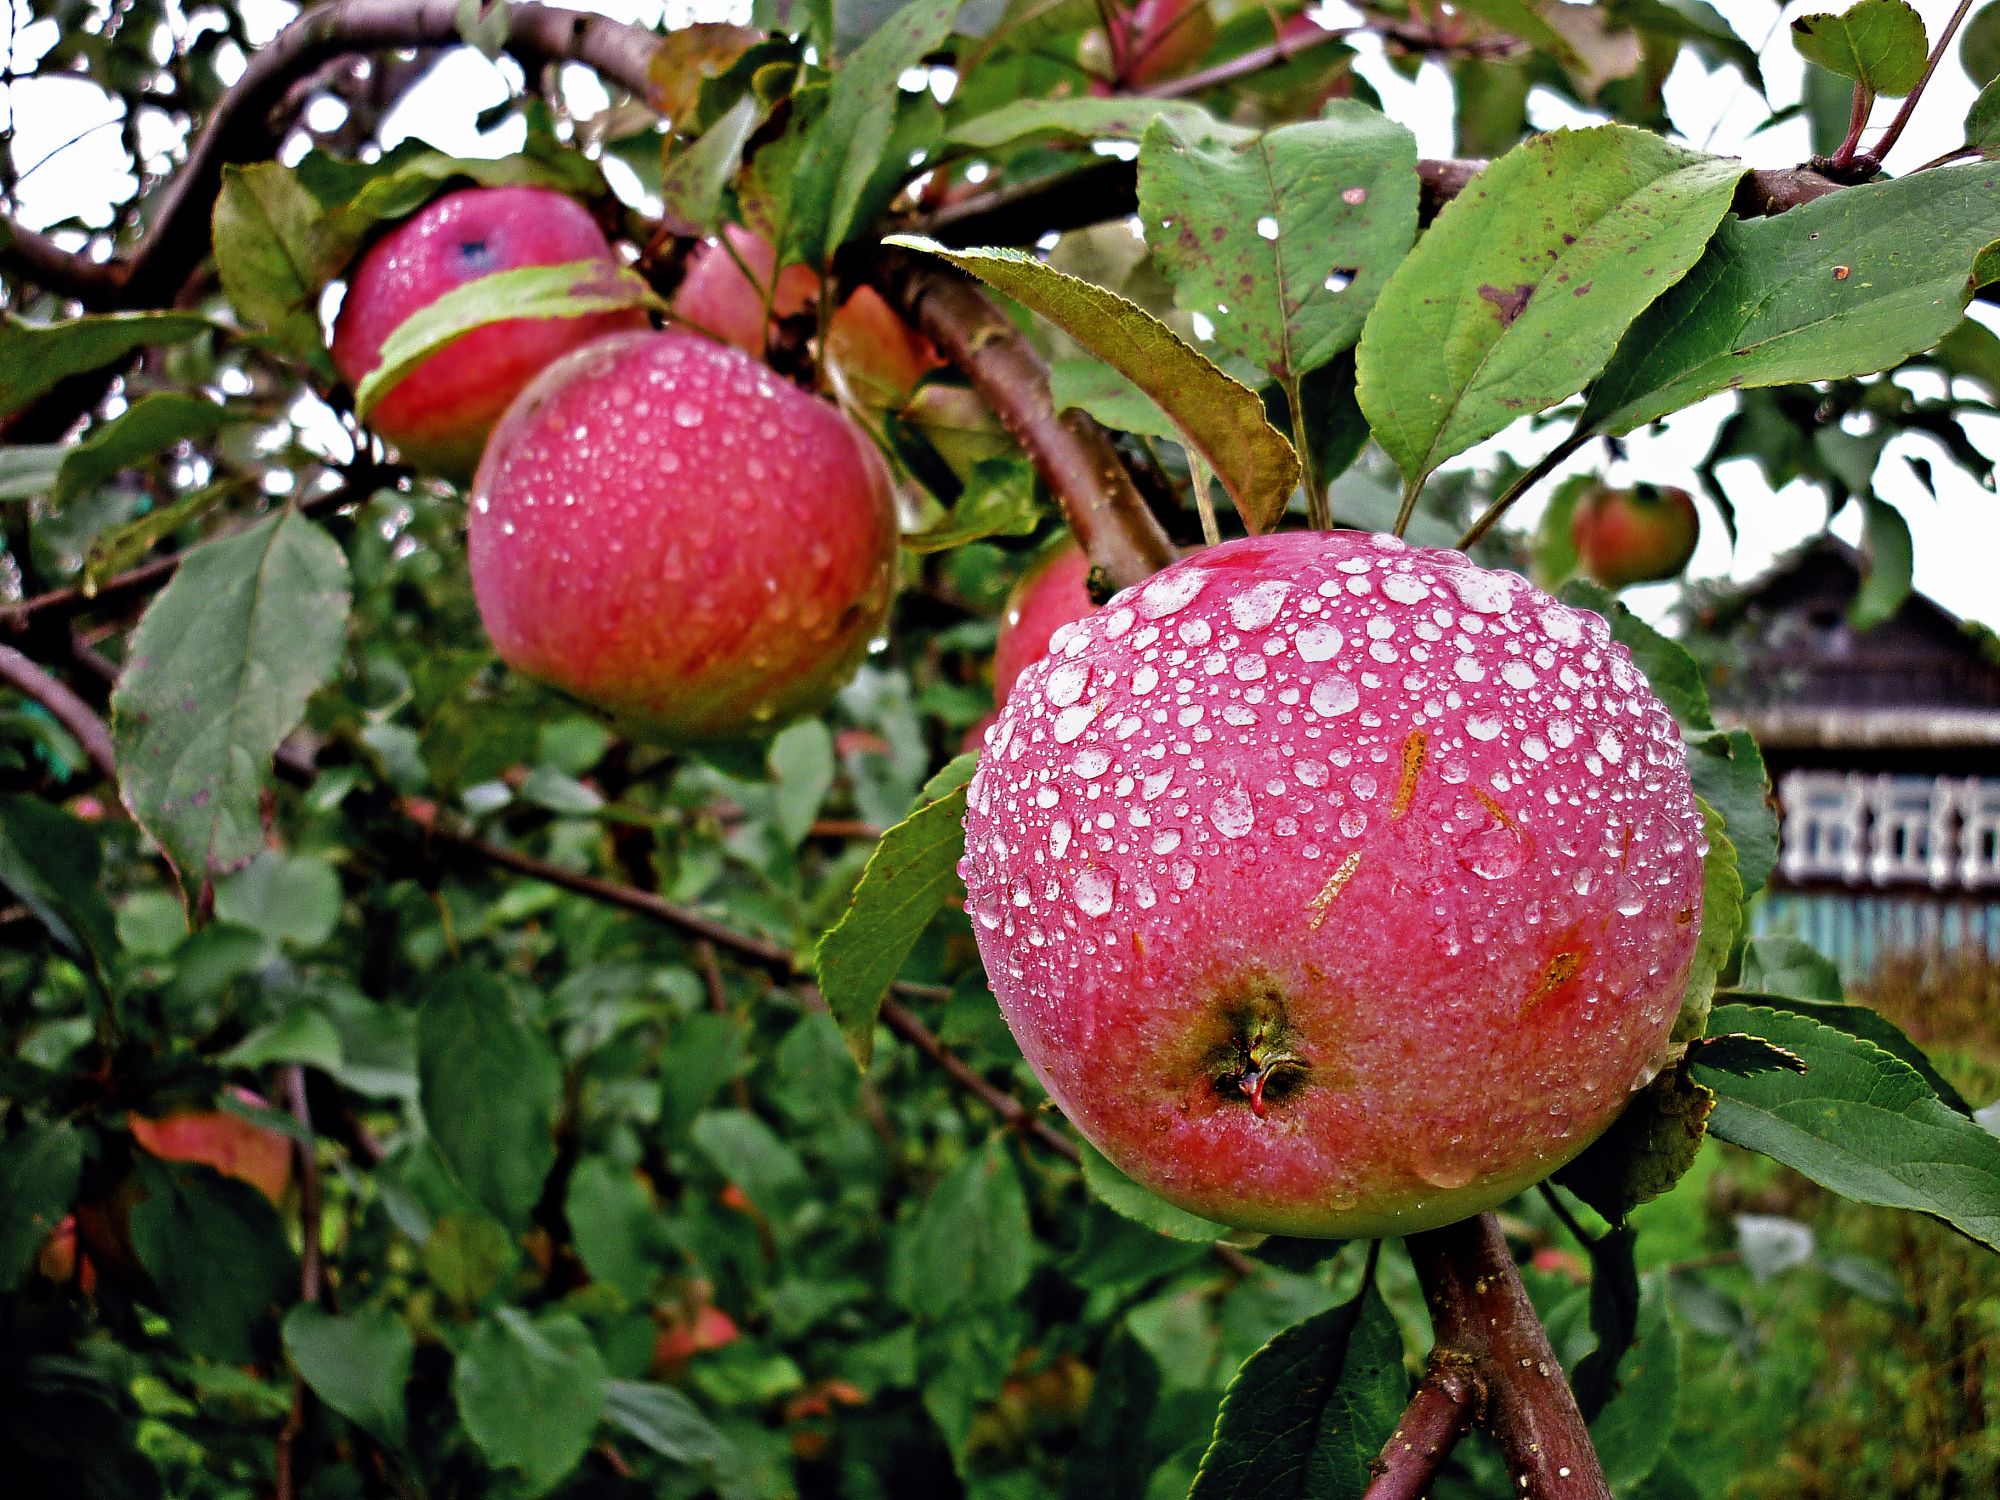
pixel 1826 814
pixel 1911 836
pixel 1979 832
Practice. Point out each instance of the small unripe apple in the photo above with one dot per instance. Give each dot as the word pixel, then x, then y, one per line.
pixel 234 1146
pixel 665 528
pixel 880 356
pixel 1335 887
pixel 1053 593
pixel 438 416
pixel 1637 535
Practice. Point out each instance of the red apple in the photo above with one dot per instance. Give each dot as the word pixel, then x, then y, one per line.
pixel 1634 536
pixel 232 1145
pixel 880 356
pixel 60 1261
pixel 1159 39
pixel 1053 593
pixel 1335 887
pixel 683 1335
pixel 438 416
pixel 664 528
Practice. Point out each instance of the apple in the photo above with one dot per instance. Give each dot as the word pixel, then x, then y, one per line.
pixel 438 416
pixel 1637 535
pixel 664 528
pixel 685 1334
pixel 879 355
pixel 1159 39
pixel 60 1261
pixel 234 1146
pixel 1050 595
pixel 1335 887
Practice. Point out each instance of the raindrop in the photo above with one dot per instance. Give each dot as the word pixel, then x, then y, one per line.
pixel 1257 606
pixel 1334 696
pixel 1094 890
pixel 1231 813
pixel 1319 641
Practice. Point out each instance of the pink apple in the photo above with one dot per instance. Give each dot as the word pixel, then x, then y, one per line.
pixel 878 354
pixel 1053 593
pixel 665 528
pixel 439 414
pixel 1336 887
pixel 234 1146
pixel 1638 535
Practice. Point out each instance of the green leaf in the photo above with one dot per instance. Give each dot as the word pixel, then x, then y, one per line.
pixel 301 1035
pixel 111 552
pixel 999 500
pixel 1856 1020
pixel 665 1421
pixel 1880 44
pixel 1721 921
pixel 913 869
pixel 1635 1427
pixel 148 427
pixel 1648 1148
pixel 37 357
pixel 1849 284
pixel 358 1363
pixel 53 865
pixel 1516 296
pixel 290 898
pixel 530 1393
pixel 1979 45
pixel 1727 770
pixel 218 674
pixel 466 1254
pixel 30 469
pixel 577 289
pixel 846 144
pixel 217 1255
pixel 484 26
pixel 1861 1122
pixel 274 253
pixel 1083 121
pixel 801 761
pixel 1310 1411
pixel 970 1245
pixel 489 1088
pixel 39 1172
pixel 1982 121
pixel 1092 386
pixel 610 1222
pixel 1781 965
pixel 1217 418
pixel 1283 240
pixel 750 1154
pixel 1124 1196
pixel 1885 582
pixel 692 188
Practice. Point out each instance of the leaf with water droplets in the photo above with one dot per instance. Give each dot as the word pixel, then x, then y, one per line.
pixel 1860 1122
pixel 913 869
pixel 1282 240
pixel 1517 295
pixel 217 675
pixel 1217 417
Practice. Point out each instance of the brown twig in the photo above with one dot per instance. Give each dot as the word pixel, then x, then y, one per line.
pixel 312 1277
pixel 1901 119
pixel 68 710
pixel 1440 1410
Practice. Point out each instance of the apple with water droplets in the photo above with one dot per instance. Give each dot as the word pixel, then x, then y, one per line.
pixel 438 416
pixel 665 528
pixel 1637 535
pixel 1335 887
pixel 1055 591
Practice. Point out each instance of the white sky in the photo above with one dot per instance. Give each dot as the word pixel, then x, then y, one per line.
pixel 67 145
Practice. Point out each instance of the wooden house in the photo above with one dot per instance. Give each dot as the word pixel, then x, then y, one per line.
pixel 1884 747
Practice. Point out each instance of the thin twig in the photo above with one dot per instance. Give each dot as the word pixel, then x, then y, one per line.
pixel 1569 1220
pixel 1524 482
pixel 1894 133
pixel 68 710
pixel 1440 1410
pixel 312 1279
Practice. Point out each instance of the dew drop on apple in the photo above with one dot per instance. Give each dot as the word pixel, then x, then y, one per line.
pixel 1091 762
pixel 1170 592
pixel 1334 696
pixel 1319 642
pixel 1067 682
pixel 1257 606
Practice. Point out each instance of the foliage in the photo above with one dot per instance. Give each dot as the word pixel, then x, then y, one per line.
pixel 590 1195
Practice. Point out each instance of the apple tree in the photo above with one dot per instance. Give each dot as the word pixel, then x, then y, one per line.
pixel 509 853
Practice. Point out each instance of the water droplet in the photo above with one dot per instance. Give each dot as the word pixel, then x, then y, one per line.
pixel 1072 722
pixel 1094 890
pixel 1257 606
pixel 1231 814
pixel 1334 696
pixel 1059 834
pixel 1486 593
pixel 1067 682
pixel 1172 590
pixel 1319 641
pixel 1405 589
pixel 1091 762
pixel 1483 726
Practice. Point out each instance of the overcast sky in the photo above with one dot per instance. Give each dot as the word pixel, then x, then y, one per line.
pixel 67 145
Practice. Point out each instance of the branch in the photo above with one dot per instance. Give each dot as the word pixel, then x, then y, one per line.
pixel 1487 1330
pixel 68 710
pixel 1436 1418
pixel 1902 117
pixel 1070 451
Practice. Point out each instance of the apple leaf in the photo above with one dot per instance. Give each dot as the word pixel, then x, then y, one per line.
pixel 1856 1020
pixel 1648 1148
pixel 218 1257
pixel 1721 921
pixel 1742 1054
pixel 489 1087
pixel 358 1363
pixel 111 552
pixel 998 500
pixel 1727 770
pixel 1849 284
pixel 691 190
pixel 1083 121
pixel 1093 387
pixel 1309 1412
pixel 1517 295
pixel 275 250
pixel 218 673
pixel 1982 121
pixel 1218 418
pixel 751 1154
pixel 662 1419
pixel 970 1245
pixel 1282 240
pixel 1885 581
pixel 578 289
pixel 1880 44
pixel 466 1254
pixel 844 148
pixel 801 766
pixel 37 357
pixel 611 1224
pixel 1860 1122
pixel 150 426
pixel 530 1392
pixel 1125 1197
pixel 53 864
pixel 1782 965
pixel 39 1172
pixel 913 869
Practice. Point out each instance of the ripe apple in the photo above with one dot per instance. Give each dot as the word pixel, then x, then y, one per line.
pixel 880 356
pixel 1335 887
pixel 1052 593
pixel 685 1334
pixel 1634 536
pixel 664 528
pixel 1161 39
pixel 234 1146
pixel 439 414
